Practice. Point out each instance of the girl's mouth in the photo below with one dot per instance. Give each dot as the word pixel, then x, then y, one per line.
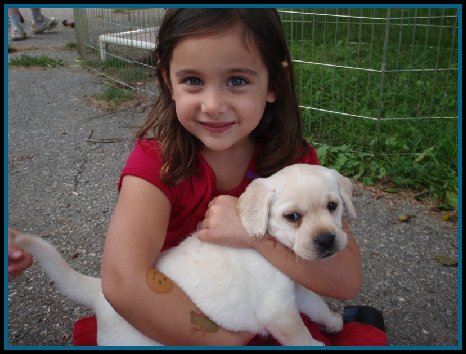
pixel 217 127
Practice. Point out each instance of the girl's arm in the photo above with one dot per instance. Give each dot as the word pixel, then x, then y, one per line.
pixel 133 242
pixel 338 277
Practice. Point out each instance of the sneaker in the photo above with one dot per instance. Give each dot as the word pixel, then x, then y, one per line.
pixel 18 34
pixel 46 24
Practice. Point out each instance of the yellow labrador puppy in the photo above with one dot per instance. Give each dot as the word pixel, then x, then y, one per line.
pixel 301 206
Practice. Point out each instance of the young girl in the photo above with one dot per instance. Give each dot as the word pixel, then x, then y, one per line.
pixel 227 113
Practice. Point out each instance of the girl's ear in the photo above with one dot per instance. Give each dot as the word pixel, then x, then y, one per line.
pixel 286 67
pixel 271 97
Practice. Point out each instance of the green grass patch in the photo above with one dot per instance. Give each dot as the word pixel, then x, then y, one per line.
pixel 423 172
pixel 39 61
pixel 115 96
pixel 71 46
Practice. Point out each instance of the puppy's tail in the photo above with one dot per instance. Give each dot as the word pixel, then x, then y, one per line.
pixel 80 288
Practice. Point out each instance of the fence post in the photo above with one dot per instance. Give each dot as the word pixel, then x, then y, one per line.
pixel 82 31
pixel 383 68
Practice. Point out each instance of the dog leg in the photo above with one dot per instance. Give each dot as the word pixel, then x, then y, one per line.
pixel 317 310
pixel 288 328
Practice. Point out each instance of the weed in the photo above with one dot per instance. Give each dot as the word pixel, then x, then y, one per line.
pixel 419 172
pixel 114 96
pixel 71 46
pixel 41 61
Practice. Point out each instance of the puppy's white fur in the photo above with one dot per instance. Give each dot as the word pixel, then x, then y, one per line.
pixel 237 288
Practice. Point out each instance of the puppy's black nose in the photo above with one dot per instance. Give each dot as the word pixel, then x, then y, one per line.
pixel 325 242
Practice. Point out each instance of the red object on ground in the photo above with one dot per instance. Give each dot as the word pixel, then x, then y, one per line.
pixel 353 334
pixel 68 23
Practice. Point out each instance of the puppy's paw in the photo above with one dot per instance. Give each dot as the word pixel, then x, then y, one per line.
pixel 317 343
pixel 333 323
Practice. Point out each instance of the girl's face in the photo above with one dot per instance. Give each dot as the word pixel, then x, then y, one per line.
pixel 220 88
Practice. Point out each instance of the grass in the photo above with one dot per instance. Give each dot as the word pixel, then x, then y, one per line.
pixel 398 127
pixel 71 46
pixel 115 96
pixel 423 172
pixel 39 61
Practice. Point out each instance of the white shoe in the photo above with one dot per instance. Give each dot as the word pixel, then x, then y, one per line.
pixel 47 24
pixel 18 34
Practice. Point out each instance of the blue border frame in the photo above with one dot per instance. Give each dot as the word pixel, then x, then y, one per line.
pixel 460 170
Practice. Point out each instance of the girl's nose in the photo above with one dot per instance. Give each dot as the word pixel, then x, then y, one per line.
pixel 213 102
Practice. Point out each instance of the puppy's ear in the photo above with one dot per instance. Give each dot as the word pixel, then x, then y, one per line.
pixel 346 192
pixel 253 208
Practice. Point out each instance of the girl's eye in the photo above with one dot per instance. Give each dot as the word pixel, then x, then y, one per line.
pixel 192 81
pixel 237 81
pixel 292 217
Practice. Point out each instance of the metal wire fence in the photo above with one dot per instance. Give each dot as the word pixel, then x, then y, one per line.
pixel 119 43
pixel 381 80
pixel 378 79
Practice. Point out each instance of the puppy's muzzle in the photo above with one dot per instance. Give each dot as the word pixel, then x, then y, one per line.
pixel 325 245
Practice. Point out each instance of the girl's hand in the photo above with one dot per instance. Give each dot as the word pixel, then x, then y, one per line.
pixel 18 260
pixel 222 224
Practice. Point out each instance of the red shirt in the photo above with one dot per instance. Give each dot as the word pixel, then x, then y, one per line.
pixel 189 199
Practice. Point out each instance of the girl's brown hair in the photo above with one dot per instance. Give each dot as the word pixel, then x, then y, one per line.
pixel 279 133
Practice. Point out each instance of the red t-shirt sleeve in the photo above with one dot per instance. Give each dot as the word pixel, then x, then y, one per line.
pixel 310 157
pixel 145 162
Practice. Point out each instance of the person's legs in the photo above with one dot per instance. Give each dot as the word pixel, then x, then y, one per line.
pixel 17 28
pixel 42 23
pixel 36 15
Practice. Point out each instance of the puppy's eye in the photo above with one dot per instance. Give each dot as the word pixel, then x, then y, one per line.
pixel 332 206
pixel 292 217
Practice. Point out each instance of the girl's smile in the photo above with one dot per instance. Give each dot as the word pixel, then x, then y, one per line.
pixel 216 127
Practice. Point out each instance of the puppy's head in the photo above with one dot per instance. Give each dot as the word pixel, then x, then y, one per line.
pixel 302 207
